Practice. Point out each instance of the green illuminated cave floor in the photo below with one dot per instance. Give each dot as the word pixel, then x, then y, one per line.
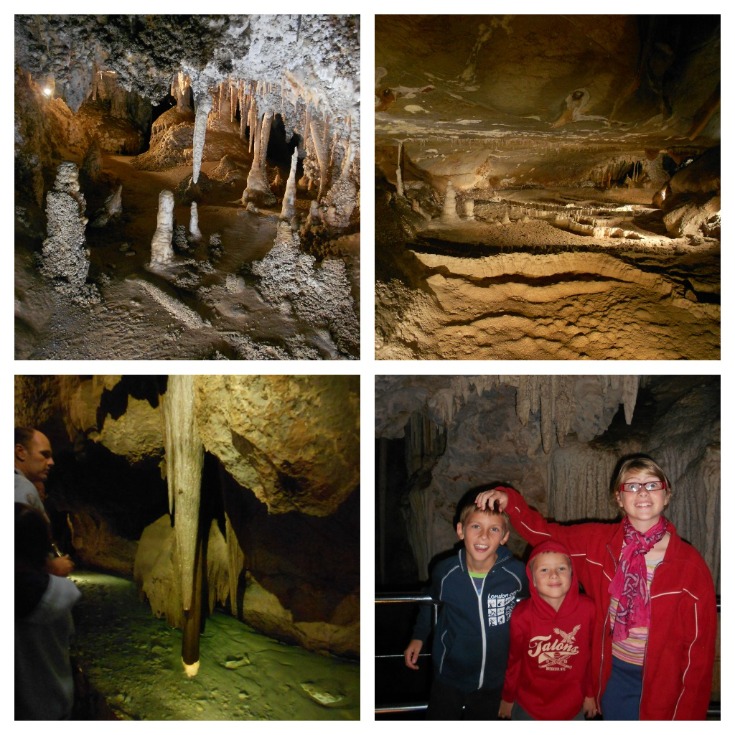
pixel 134 661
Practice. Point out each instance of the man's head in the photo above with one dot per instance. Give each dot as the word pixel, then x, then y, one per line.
pixel 33 456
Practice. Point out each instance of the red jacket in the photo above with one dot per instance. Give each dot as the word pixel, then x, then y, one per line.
pixel 677 674
pixel 549 667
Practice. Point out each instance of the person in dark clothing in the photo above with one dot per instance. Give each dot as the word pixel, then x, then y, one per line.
pixel 478 588
pixel 44 684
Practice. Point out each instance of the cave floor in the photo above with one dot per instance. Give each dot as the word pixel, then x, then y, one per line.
pixel 134 661
pixel 527 288
pixel 198 308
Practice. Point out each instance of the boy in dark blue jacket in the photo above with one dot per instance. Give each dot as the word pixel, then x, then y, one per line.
pixel 478 590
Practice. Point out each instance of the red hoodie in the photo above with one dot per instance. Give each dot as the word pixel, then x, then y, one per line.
pixel 549 666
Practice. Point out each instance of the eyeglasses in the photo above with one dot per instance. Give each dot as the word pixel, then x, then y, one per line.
pixel 649 487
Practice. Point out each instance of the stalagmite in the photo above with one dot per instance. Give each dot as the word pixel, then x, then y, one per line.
pixel 288 209
pixel 203 106
pixel 258 189
pixel 184 462
pixel 235 563
pixel 194 230
pixel 399 176
pixel 64 253
pixel 449 210
pixel 162 251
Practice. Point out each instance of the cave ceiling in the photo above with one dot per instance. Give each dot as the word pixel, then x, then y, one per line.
pixel 305 53
pixel 541 100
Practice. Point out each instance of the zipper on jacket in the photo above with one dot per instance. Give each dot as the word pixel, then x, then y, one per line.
pixel 480 597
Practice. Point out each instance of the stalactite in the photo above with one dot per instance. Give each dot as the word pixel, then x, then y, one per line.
pixel 253 125
pixel 203 106
pixel 233 103
pixel 265 134
pixel 321 156
pixel 243 111
pixel 184 462
pixel 630 394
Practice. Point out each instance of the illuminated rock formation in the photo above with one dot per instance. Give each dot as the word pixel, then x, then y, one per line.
pixel 288 209
pixel 552 146
pixel 194 230
pixel 65 258
pixel 281 462
pixel 162 251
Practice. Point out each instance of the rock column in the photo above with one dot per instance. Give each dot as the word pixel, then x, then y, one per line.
pixel 162 251
pixel 64 252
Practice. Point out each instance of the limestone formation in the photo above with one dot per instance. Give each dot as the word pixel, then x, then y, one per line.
pixel 203 106
pixel 111 209
pixel 258 190
pixel 449 210
pixel 519 138
pixel 245 90
pixel 65 258
pixel 288 209
pixel 162 251
pixel 194 230
pixel 240 420
pixel 319 294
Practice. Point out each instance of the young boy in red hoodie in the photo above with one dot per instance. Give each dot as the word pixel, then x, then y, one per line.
pixel 548 675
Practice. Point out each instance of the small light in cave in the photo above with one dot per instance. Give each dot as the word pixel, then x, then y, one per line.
pixel 47 91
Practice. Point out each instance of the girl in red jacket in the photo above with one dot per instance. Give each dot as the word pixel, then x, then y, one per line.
pixel 549 666
pixel 656 616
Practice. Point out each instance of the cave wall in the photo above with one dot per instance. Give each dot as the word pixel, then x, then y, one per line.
pixel 555 438
pixel 280 499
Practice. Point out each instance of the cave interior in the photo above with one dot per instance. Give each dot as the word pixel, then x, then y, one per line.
pixel 547 187
pixel 167 168
pixel 556 439
pixel 239 494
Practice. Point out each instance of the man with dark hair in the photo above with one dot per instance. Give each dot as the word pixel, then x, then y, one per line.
pixel 33 461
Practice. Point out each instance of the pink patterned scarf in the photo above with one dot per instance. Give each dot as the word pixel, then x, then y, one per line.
pixel 629 585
